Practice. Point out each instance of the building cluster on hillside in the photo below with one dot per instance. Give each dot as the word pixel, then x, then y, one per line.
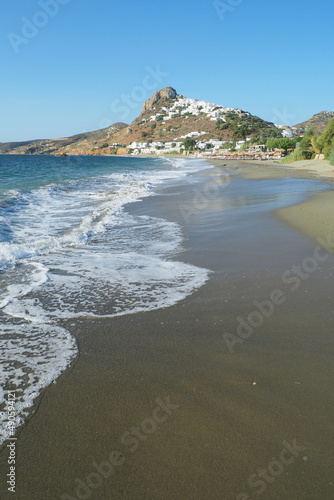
pixel 213 147
pixel 186 107
pixel 155 147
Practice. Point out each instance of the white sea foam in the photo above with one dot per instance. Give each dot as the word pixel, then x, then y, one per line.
pixel 32 357
pixel 37 277
pixel 75 252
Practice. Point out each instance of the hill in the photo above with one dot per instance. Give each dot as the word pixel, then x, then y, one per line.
pixel 76 144
pixel 318 121
pixel 170 118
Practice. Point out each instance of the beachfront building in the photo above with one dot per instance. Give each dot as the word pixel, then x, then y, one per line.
pixel 256 148
pixel 239 144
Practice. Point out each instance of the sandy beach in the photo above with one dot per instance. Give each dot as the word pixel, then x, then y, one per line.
pixel 227 394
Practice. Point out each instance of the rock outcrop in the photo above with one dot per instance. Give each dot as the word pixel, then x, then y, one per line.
pixel 164 94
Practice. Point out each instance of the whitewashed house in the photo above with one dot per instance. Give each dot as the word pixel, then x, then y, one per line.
pixel 288 133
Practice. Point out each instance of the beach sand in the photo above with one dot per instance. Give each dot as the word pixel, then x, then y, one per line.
pixel 270 169
pixel 209 419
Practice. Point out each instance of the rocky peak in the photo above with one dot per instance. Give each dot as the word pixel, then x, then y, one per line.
pixel 164 94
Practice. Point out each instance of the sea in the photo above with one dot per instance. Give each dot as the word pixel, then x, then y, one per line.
pixel 69 249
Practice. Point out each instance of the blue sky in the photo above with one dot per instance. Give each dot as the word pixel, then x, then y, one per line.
pixel 69 66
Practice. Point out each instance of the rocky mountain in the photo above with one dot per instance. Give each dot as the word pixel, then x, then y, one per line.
pixel 170 118
pixel 318 121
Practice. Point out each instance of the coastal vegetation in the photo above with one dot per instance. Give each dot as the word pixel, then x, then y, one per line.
pixel 313 144
pixel 244 124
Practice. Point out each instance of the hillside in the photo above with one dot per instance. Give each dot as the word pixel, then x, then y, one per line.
pixel 169 117
pixel 76 144
pixel 8 147
pixel 318 121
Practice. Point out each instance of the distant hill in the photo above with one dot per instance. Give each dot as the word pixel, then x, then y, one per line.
pixel 7 147
pixel 318 121
pixel 76 144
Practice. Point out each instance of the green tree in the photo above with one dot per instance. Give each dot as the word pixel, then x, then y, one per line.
pixel 282 143
pixel 305 146
pixel 326 140
pixel 189 144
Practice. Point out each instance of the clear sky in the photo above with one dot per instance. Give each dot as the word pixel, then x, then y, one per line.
pixel 69 66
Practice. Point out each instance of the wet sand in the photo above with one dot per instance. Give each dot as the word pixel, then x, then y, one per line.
pixel 270 169
pixel 197 408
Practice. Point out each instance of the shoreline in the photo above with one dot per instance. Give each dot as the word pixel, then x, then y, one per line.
pixel 315 168
pixel 320 169
pixel 204 427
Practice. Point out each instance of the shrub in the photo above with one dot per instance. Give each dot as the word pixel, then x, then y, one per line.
pixel 219 123
pixel 296 155
pixel 331 156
